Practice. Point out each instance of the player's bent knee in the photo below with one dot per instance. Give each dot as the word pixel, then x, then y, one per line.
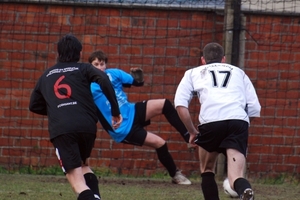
pixel 154 141
pixel 159 143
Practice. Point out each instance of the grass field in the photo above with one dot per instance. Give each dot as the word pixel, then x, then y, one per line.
pixel 48 187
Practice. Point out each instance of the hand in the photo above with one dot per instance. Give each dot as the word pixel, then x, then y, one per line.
pixel 192 139
pixel 116 121
pixel 137 74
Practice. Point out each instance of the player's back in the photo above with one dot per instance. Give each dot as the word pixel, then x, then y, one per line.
pixel 221 91
pixel 70 106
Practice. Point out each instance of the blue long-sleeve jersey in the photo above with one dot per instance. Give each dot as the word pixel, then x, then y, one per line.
pixel 118 78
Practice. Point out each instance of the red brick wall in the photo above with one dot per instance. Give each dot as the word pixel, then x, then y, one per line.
pixel 272 61
pixel 164 43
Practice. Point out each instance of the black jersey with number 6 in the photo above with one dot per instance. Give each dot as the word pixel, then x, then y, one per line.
pixel 63 94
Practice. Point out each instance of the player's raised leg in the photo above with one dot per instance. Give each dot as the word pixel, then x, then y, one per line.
pixel 164 106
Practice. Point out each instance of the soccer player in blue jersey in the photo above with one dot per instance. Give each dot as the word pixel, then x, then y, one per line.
pixel 63 94
pixel 136 116
pixel 228 102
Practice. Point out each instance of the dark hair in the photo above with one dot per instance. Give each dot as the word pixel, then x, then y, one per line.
pixel 98 54
pixel 213 52
pixel 69 48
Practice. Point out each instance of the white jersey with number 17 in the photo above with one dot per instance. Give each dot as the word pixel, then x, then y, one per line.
pixel 224 91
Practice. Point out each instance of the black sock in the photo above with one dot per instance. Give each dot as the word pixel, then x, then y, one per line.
pixel 86 195
pixel 209 186
pixel 166 159
pixel 92 182
pixel 173 118
pixel 240 185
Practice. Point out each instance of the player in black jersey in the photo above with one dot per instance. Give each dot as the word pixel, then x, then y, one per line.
pixel 63 94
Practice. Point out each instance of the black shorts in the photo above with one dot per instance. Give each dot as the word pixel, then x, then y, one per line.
pixel 137 133
pixel 222 135
pixel 73 149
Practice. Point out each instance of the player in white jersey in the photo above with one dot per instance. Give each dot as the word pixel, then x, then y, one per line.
pixel 228 103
